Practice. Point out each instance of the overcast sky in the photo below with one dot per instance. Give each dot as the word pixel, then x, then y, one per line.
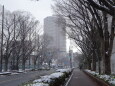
pixel 40 9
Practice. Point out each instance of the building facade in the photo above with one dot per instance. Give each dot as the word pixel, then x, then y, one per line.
pixel 54 30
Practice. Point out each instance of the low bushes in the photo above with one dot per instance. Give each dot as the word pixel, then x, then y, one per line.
pixel 110 79
pixel 58 81
pixel 54 79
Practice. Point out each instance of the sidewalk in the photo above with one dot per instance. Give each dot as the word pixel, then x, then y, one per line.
pixel 78 78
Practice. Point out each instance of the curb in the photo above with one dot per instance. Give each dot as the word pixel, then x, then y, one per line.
pixel 99 81
pixel 69 79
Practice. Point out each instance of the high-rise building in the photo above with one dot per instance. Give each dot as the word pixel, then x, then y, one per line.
pixel 54 29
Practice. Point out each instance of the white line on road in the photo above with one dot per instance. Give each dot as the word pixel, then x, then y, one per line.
pixel 69 79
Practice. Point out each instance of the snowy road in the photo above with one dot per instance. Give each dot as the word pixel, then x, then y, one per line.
pixel 16 80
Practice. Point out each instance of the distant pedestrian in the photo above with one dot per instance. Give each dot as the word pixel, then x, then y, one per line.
pixel 80 67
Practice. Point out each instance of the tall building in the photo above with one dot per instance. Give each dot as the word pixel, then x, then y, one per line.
pixel 53 29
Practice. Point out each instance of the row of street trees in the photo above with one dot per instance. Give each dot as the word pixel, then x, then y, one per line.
pixel 19 40
pixel 91 25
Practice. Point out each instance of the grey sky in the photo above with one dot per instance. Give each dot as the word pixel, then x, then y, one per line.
pixel 40 9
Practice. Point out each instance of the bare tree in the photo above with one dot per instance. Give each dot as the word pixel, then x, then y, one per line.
pixel 86 21
pixel 27 27
pixel 17 39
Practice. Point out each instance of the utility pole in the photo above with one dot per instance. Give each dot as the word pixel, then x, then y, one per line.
pixel 1 58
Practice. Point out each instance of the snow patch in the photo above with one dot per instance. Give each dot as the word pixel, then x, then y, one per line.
pixel 64 70
pixel 109 78
pixel 48 78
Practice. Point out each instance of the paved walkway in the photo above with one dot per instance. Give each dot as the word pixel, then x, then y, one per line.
pixel 78 78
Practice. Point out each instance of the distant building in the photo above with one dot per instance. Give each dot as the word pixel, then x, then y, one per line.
pixel 54 29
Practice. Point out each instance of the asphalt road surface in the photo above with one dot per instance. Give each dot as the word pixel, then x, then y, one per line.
pixel 78 78
pixel 16 80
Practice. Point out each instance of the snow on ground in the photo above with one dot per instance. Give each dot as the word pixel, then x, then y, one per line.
pixel 21 71
pixel 5 73
pixel 45 79
pixel 37 84
pixel 92 72
pixel 48 78
pixel 40 84
pixel 109 78
pixel 14 73
pixel 105 77
pixel 63 70
pixel 112 82
pixel 56 75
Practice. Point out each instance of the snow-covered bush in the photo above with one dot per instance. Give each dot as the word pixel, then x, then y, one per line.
pixel 49 78
pixel 35 84
pixel 54 79
pixel 107 78
pixel 64 70
pixel 92 72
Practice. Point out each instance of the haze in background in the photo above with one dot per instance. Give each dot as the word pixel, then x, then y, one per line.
pixel 39 9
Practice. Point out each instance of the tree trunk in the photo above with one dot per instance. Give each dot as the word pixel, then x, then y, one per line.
pixel 1 57
pixel 94 63
pixel 29 62
pixel 106 35
pixel 17 63
pixel 34 64
pixel 49 63
pixel 89 65
pixel 103 55
pixel 6 65
pixel 107 65
pixel 99 66
pixel 23 65
pixel 111 44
